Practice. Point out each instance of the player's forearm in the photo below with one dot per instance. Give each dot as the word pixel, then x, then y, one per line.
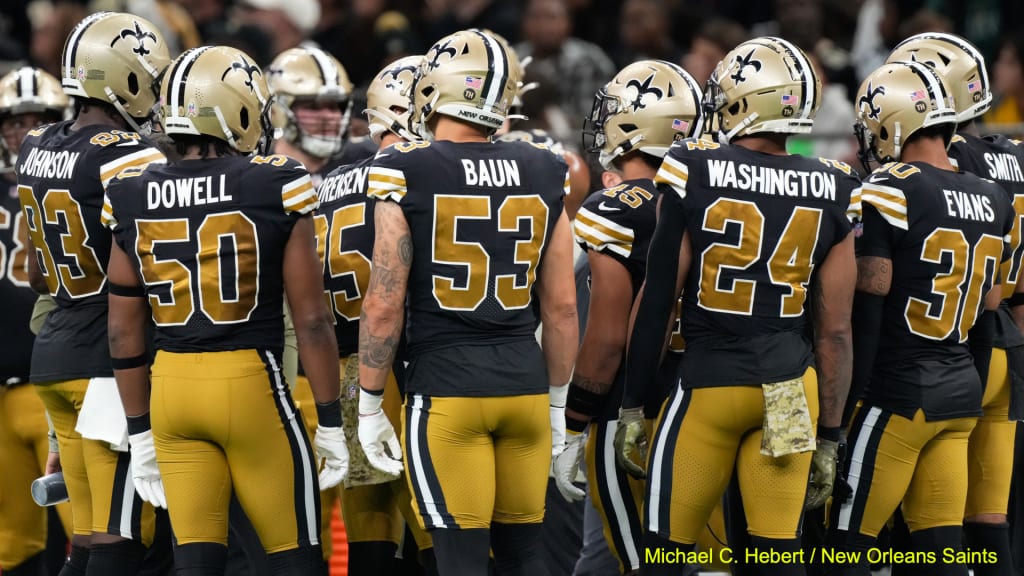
pixel 834 358
pixel 127 339
pixel 559 341
pixel 380 331
pixel 318 350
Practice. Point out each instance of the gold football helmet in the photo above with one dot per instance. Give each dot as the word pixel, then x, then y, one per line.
pixel 894 102
pixel 468 76
pixel 116 58
pixel 389 99
pixel 220 92
pixel 960 65
pixel 27 90
pixel 647 106
pixel 763 85
pixel 309 74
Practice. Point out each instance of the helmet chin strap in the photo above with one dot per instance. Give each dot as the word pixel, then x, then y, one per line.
pixel 727 136
pixel 116 103
pixel 224 128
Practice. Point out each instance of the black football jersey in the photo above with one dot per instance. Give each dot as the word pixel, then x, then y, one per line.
pixel 1001 160
pixel 946 234
pixel 61 179
pixel 759 225
pixel 15 293
pixel 344 228
pixel 355 150
pixel 480 215
pixel 207 238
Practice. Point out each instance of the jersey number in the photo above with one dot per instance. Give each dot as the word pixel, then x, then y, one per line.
pixel 80 272
pixel 789 265
pixel 338 263
pixel 1011 268
pixel 960 289
pixel 15 264
pixel 227 246
pixel 449 292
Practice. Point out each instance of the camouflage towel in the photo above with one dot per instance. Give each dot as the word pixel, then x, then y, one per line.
pixel 787 427
pixel 360 472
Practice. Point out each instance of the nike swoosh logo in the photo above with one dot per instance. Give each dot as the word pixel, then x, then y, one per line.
pixel 604 208
pixel 127 143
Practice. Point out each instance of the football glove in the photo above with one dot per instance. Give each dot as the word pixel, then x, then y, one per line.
pixel 330 446
pixel 567 464
pixel 145 474
pixel 630 438
pixel 557 396
pixel 376 434
pixel 823 474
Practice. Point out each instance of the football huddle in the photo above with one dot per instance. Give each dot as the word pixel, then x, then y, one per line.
pixel 222 322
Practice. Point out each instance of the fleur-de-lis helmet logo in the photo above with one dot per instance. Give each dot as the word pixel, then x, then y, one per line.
pixel 139 36
pixel 245 66
pixel 869 99
pixel 743 62
pixel 643 90
pixel 437 50
pixel 395 82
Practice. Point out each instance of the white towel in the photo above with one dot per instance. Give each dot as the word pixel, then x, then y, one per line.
pixel 102 415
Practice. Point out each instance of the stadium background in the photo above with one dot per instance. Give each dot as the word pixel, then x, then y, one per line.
pixel 576 46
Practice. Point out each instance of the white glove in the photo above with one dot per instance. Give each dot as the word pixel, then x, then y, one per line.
pixel 145 474
pixel 330 445
pixel 558 395
pixel 567 464
pixel 376 434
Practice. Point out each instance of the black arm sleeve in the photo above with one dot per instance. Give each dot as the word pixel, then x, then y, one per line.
pixel 979 340
pixel 657 304
pixel 867 325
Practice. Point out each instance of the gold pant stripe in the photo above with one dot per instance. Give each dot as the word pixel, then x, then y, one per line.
pixel 98 479
pixel 474 461
pixel 701 436
pixel 23 453
pixel 223 422
pixel 989 464
pixel 921 464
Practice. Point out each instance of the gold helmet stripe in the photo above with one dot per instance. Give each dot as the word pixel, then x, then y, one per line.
pixel 497 75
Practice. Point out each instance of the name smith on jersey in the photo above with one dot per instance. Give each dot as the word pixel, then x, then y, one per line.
pixel 771 181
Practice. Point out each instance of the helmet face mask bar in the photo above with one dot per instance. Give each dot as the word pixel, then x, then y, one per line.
pixel 309 76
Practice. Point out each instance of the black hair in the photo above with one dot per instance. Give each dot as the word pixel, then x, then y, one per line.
pixel 182 143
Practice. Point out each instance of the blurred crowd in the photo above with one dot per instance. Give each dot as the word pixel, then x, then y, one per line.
pixel 575 46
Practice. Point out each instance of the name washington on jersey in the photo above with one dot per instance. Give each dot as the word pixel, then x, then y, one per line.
pixel 49 164
pixel 771 181
pixel 349 182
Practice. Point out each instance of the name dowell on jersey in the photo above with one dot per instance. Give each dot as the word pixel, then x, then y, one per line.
pixel 49 164
pixel 185 192
pixel 350 182
pixel 491 172
pixel 771 181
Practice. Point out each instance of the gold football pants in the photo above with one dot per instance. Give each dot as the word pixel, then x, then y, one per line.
pixel 702 434
pixel 990 448
pixel 473 461
pixel 23 453
pixel 223 422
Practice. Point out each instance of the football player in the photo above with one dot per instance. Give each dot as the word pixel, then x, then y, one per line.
pixel 472 232
pixel 744 232
pixel 991 445
pixel 217 239
pixel 109 64
pixel 29 98
pixel 373 504
pixel 933 240
pixel 646 107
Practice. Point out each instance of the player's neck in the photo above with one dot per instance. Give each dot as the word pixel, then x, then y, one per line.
pixel 635 168
pixel 928 150
pixel 455 131
pixel 765 143
pixel 312 163
pixel 388 139
pixel 970 127
pixel 95 115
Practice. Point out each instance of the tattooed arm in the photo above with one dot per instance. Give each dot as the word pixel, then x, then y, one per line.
pixel 380 323
pixel 833 342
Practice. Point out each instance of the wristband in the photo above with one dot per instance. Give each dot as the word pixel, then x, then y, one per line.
pixel 1016 299
pixel 574 425
pixel 329 415
pixel 138 424
pixel 125 291
pixel 829 433
pixel 129 363
pixel 585 402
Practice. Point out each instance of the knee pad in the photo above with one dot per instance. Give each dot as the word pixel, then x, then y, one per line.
pixel 463 552
pixel 516 547
pixel 122 558
pixel 302 561
pixel 370 558
pixel 77 562
pixel 200 559
pixel 34 566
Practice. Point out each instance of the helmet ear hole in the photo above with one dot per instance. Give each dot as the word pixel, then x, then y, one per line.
pixel 133 83
pixel 628 127
pixel 243 118
pixel 735 108
pixel 883 134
